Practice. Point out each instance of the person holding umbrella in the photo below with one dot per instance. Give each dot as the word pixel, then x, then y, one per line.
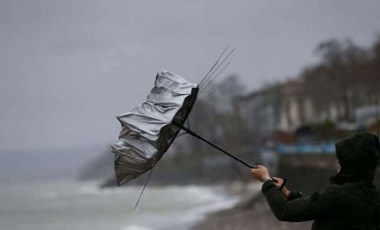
pixel 351 201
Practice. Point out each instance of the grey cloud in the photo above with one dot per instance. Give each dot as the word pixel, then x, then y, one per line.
pixel 67 67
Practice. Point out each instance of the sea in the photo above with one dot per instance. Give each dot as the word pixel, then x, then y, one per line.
pixel 78 205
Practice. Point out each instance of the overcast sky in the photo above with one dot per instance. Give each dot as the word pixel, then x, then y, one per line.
pixel 68 67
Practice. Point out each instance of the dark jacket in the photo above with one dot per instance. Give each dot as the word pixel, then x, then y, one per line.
pixel 347 206
pixel 351 201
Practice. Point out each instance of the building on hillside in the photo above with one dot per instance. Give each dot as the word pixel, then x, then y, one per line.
pixel 290 107
pixel 367 115
pixel 260 113
pixel 283 107
pixel 296 107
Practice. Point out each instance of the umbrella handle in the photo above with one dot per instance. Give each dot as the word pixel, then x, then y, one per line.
pixel 192 133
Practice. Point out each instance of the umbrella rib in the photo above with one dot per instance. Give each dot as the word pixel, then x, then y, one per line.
pixel 217 68
pixel 208 84
pixel 142 191
pixel 213 66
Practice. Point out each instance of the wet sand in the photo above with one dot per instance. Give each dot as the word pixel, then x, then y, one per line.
pixel 252 212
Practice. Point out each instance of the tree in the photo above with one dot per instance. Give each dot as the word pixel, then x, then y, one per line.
pixel 342 67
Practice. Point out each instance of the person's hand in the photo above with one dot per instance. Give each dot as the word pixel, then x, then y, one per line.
pixel 279 182
pixel 260 173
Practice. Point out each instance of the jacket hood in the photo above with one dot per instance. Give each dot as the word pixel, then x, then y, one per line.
pixel 358 157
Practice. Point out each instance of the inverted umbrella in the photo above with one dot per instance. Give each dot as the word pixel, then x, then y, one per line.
pixel 150 128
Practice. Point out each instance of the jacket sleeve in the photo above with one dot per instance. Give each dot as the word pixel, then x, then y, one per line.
pixel 295 195
pixel 304 208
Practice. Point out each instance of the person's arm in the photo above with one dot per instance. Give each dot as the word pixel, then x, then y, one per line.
pixel 320 204
pixel 296 208
pixel 289 194
pixel 261 173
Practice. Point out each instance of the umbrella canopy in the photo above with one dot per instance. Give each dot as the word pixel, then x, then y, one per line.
pixel 150 128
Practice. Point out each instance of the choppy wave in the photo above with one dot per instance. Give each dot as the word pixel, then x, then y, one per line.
pixel 85 206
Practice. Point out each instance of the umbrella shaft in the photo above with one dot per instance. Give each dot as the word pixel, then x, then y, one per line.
pixel 192 133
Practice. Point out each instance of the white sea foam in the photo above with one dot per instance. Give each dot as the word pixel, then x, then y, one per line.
pixel 70 203
pixel 179 207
